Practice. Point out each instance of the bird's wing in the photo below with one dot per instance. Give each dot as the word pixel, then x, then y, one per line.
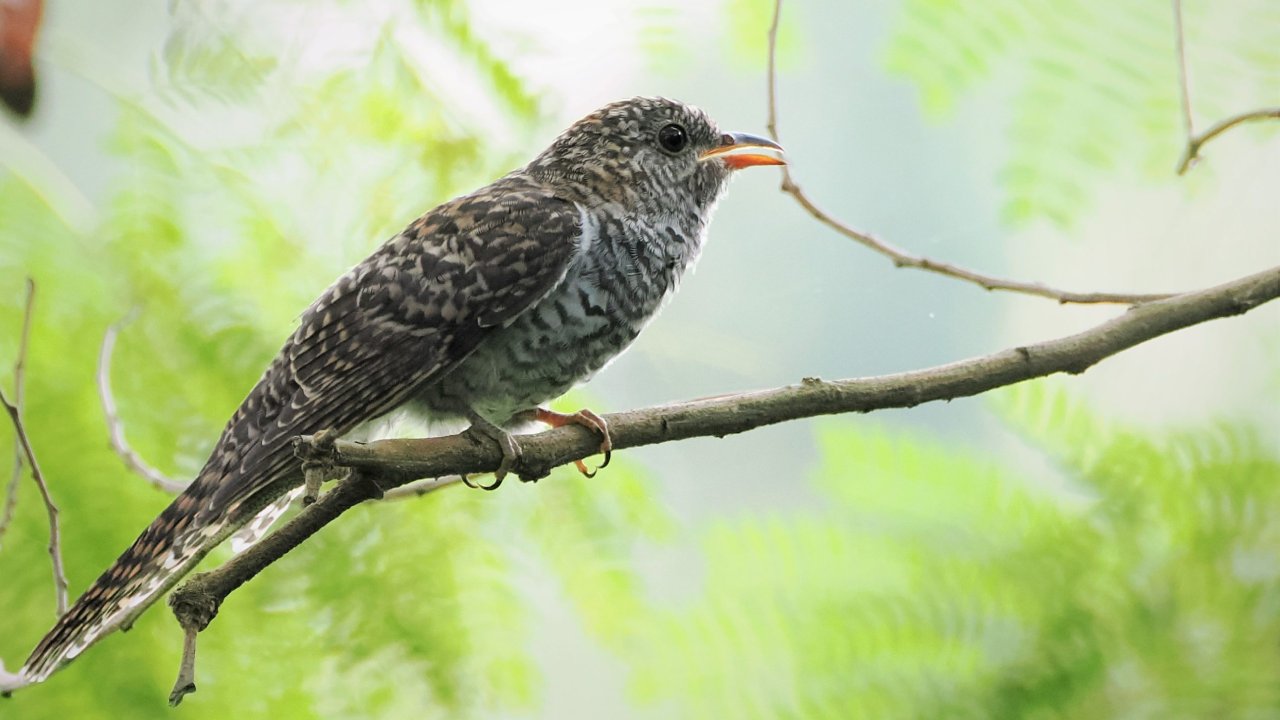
pixel 412 310
pixel 403 317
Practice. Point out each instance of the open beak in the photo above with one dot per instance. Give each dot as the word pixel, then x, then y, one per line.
pixel 732 143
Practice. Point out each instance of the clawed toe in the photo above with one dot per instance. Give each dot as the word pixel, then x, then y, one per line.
pixel 511 453
pixel 586 419
pixel 506 442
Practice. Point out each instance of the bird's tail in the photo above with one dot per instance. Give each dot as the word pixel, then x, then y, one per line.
pixel 158 559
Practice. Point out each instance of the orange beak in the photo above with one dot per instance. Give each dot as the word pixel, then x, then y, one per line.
pixel 732 143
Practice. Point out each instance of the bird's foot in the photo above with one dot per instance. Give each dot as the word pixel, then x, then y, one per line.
pixel 317 462
pixel 586 419
pixel 506 442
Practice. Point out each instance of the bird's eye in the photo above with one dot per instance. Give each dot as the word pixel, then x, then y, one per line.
pixel 672 138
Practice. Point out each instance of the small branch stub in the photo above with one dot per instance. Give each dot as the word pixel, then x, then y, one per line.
pixel 194 607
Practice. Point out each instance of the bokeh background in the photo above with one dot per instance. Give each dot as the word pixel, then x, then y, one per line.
pixel 1102 546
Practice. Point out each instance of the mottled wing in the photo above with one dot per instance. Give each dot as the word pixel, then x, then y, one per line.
pixel 411 311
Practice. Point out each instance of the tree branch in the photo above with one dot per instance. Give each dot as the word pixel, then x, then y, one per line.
pixel 1184 78
pixel 55 534
pixel 386 464
pixel 15 414
pixel 115 428
pixel 904 259
pixel 1194 142
pixel 19 395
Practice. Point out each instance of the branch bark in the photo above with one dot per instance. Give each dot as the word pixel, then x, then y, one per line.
pixel 380 466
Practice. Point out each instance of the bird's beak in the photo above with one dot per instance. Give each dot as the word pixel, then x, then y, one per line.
pixel 731 143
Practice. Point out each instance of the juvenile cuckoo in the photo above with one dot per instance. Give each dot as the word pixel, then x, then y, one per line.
pixel 481 309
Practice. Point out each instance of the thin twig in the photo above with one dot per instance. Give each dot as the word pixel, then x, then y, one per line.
pixel 772 89
pixel 186 682
pixel 115 428
pixel 904 259
pixel 19 393
pixel 24 444
pixel 1184 78
pixel 1195 143
pixel 55 535
pixel 1191 154
pixel 197 601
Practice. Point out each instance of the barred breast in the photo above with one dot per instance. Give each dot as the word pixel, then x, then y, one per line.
pixel 618 282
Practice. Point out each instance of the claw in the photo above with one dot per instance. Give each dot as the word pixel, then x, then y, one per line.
pixel 506 442
pixel 477 486
pixel 586 419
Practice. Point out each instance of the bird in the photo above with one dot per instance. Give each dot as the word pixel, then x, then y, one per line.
pixel 19 23
pixel 481 310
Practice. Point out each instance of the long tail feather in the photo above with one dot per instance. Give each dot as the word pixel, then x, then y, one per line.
pixel 155 562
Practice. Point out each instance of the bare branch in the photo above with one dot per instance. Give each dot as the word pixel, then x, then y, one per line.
pixel 1194 143
pixel 1191 155
pixel 904 259
pixel 378 467
pixel 55 534
pixel 115 428
pixel 1184 79
pixel 196 602
pixel 19 394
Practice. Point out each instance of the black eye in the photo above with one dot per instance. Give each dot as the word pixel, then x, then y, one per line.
pixel 672 138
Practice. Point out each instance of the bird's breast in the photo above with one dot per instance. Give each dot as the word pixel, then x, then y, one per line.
pixel 615 286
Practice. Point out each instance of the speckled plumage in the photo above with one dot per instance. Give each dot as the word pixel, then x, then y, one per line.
pixel 487 305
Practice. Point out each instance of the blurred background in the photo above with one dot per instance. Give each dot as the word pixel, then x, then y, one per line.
pixel 1100 546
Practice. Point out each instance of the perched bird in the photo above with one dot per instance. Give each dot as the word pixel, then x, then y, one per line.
pixel 482 309
pixel 19 21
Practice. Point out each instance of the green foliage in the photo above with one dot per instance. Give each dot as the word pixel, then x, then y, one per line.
pixel 587 532
pixel 938 585
pixel 747 26
pixel 1097 85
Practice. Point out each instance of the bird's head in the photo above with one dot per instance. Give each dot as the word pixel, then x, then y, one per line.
pixel 649 155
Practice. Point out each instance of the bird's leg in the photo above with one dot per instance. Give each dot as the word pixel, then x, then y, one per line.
pixel 506 442
pixel 318 467
pixel 586 419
